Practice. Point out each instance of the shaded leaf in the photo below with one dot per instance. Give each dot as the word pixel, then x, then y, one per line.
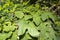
pixel 47 32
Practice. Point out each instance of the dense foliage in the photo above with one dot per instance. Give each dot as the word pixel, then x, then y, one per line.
pixel 29 20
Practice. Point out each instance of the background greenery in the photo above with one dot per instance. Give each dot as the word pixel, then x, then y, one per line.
pixel 29 19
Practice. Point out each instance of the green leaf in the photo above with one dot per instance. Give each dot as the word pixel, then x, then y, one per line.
pixel 26 17
pixel 22 27
pixel 52 16
pixel 44 16
pixel 4 36
pixel 19 14
pixel 25 3
pixel 0 28
pixel 8 27
pixel 26 37
pixel 36 19
pixel 58 37
pixel 14 36
pixel 32 30
pixel 46 32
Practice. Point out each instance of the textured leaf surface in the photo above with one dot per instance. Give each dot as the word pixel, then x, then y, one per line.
pixel 19 14
pixel 47 32
pixel 27 17
pixel 22 27
pixel 8 27
pixel 26 37
pixel 44 16
pixel 32 30
pixel 3 36
pixel 36 19
pixel 14 37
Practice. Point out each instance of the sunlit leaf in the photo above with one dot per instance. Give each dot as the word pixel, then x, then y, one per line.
pixel 32 30
pixel 22 27
pixel 26 17
pixel 19 14
pixel 36 19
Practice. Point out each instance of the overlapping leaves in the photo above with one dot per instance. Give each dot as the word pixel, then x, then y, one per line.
pixel 33 23
pixel 26 22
